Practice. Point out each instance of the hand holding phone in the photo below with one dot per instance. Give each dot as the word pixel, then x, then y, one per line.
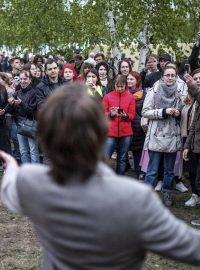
pixel 113 111
pixel 17 101
pixel 120 111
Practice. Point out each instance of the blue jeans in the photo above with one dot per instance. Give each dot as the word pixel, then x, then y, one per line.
pixel 12 131
pixel 152 171
pixel 28 149
pixel 121 145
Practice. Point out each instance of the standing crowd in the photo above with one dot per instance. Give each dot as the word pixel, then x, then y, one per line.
pixel 153 114
pixel 87 216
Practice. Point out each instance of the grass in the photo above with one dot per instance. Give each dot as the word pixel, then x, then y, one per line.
pixel 19 248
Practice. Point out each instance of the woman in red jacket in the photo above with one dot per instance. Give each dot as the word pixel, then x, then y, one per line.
pixel 120 108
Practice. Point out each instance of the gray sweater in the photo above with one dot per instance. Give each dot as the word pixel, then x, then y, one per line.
pixel 108 222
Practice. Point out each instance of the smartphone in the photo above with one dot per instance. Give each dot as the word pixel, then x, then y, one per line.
pixel 187 68
pixel 119 111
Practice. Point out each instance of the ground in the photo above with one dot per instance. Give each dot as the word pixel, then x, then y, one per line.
pixel 19 248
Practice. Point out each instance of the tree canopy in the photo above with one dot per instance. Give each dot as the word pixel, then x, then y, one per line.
pixel 65 24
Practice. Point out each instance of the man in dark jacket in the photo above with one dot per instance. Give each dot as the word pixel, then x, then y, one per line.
pixel 155 76
pixel 50 82
pixel 194 57
pixel 4 137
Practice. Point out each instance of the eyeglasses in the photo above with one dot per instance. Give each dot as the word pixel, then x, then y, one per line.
pixel 170 75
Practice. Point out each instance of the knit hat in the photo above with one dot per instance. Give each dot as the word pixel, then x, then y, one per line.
pixel 72 69
pixel 166 57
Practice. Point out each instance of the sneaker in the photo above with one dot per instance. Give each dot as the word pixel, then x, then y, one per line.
pixel 193 201
pixel 181 187
pixel 141 177
pixel 167 198
pixel 159 186
pixel 195 222
pixel 114 155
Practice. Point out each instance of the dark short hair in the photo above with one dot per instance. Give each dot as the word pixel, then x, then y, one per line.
pixel 49 62
pixel 72 129
pixel 152 55
pixel 99 55
pixel 195 72
pixel 14 58
pixel 78 57
pixel 129 65
pixel 27 73
pixel 36 57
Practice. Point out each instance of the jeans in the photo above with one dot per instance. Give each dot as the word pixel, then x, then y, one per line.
pixel 152 171
pixel 121 144
pixel 28 149
pixel 12 131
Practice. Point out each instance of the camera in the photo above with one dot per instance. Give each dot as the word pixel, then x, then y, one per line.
pixel 119 111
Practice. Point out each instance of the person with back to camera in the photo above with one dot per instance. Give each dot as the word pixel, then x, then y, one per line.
pixel 86 216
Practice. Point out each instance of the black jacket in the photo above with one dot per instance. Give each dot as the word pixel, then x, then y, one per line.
pixel 3 103
pixel 193 139
pixel 194 58
pixel 138 133
pixel 151 79
pixel 28 107
pixel 45 88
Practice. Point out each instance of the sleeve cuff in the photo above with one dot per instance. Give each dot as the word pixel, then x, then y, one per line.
pixel 164 114
pixel 126 116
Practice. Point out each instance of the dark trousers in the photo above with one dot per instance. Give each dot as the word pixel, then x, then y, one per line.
pixel 196 184
pixel 136 158
pixel 4 139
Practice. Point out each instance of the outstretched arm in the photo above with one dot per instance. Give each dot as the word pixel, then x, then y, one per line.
pixel 9 194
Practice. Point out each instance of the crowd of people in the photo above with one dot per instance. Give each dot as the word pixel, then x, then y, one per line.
pixel 86 216
pixel 151 113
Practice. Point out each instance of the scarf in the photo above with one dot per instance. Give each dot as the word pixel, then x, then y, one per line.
pixel 137 92
pixel 167 97
pixel 104 82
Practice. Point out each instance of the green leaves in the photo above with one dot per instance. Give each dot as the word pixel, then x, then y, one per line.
pixel 67 24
